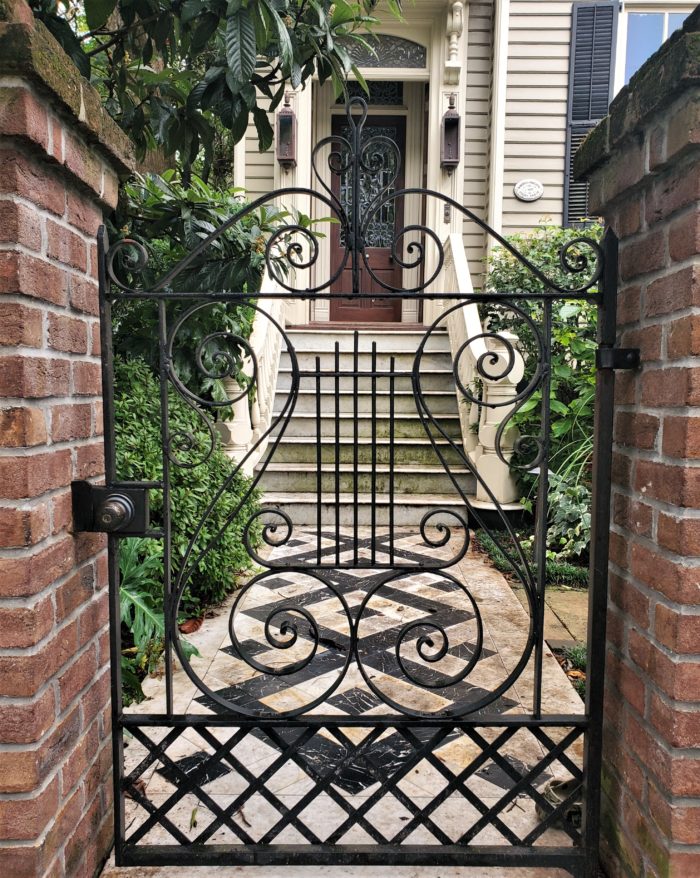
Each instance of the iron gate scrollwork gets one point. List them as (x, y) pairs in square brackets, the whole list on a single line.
[(324, 699)]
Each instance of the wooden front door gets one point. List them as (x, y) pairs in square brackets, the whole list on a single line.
[(379, 235)]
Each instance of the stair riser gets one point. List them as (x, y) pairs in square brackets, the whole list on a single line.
[(445, 403), (403, 454), (441, 380), (405, 515), (403, 362), (404, 483), (386, 341), (403, 428)]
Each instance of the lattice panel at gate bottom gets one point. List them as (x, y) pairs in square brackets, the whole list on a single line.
[(353, 785)]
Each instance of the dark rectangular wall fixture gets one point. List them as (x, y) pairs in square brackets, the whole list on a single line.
[(450, 138), (286, 151)]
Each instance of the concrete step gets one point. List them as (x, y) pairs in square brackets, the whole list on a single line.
[(439, 401), (405, 426), (415, 452), (430, 379), (303, 508), (389, 340), (408, 480), (403, 360)]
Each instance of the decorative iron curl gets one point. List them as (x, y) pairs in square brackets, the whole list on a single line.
[(445, 530), (289, 631), (372, 160), (132, 255), (183, 442), (269, 531), (577, 262), (422, 644), (418, 248)]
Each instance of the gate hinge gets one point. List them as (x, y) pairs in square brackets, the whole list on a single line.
[(617, 358), (105, 509)]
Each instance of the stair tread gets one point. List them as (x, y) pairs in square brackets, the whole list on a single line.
[(430, 499), (274, 466), (349, 392), (367, 416), (363, 440)]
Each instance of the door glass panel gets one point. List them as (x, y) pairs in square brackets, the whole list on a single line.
[(380, 231), (645, 33)]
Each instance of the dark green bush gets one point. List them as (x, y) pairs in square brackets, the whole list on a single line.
[(139, 457), (557, 572)]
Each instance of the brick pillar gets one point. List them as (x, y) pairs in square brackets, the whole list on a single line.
[(643, 163), (60, 157)]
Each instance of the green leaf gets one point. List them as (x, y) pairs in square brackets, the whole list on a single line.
[(285, 44), (98, 11), (264, 129), (240, 46)]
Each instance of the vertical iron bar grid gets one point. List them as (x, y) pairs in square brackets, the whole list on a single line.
[(319, 462), (392, 385), (355, 434), (168, 610), (542, 506), (373, 501), (337, 452), (598, 574)]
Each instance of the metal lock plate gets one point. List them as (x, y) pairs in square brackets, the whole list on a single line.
[(104, 509)]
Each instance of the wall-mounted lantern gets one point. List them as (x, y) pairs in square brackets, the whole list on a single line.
[(287, 136), (450, 137)]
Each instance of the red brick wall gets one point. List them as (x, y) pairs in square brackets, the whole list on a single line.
[(55, 759), (646, 181)]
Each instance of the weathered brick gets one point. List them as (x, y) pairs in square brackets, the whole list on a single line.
[(636, 429), (75, 591), (24, 175), (678, 679), (673, 292), (680, 535), (25, 626), (645, 254), (65, 246), (628, 304), (671, 191), (29, 721), (20, 577), (61, 512), (32, 475), (21, 115), (83, 213), (683, 129), (22, 675), (682, 437), (20, 325), (22, 427), (18, 223), (628, 682), (628, 597), (89, 461), (82, 161), (648, 340), (671, 387), (683, 337), (87, 379), (68, 334), (26, 818), (677, 582), (18, 771), (27, 275), (677, 628), (23, 526), (33, 377), (73, 421), (677, 724), (77, 676), (84, 295), (684, 236)]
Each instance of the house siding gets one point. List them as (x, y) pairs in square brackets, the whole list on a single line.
[(477, 129), (260, 166), (536, 100)]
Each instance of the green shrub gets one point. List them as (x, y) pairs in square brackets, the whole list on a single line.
[(557, 572), (572, 391), (139, 457)]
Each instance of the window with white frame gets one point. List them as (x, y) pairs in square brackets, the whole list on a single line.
[(643, 27)]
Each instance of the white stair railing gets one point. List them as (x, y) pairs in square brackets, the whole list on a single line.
[(251, 420), (480, 423)]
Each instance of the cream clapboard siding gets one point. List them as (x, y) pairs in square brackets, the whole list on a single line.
[(259, 166), (536, 98), (476, 143)]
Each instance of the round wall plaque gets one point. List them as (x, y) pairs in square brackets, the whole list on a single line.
[(528, 190)]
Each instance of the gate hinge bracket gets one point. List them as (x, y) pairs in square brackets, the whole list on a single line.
[(617, 358), (104, 509)]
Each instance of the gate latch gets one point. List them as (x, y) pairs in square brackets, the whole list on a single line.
[(104, 509), (617, 358)]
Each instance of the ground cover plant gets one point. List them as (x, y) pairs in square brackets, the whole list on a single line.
[(139, 457), (572, 389)]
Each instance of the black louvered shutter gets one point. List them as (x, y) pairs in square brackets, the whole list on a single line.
[(591, 67)]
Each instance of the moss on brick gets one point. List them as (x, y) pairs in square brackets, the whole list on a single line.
[(29, 50)]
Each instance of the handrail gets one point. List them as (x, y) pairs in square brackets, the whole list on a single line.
[(480, 420), (251, 420)]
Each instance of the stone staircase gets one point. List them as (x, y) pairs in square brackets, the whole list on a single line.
[(377, 466)]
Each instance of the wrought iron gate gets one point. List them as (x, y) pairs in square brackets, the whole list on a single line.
[(420, 761)]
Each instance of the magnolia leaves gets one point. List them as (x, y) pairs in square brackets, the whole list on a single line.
[(240, 48), (97, 12)]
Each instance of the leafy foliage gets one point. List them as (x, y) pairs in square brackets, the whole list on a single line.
[(557, 571), (572, 391), (170, 219), (139, 457), (172, 74)]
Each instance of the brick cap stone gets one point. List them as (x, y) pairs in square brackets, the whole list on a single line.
[(28, 49), (674, 69)]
